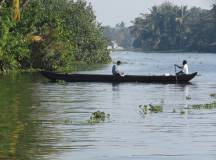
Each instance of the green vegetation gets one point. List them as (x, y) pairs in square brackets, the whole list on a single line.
[(170, 27), (205, 106), (151, 108), (213, 95), (68, 122), (182, 112), (98, 117), (50, 35), (188, 97)]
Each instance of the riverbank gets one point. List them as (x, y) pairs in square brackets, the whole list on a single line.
[(77, 67)]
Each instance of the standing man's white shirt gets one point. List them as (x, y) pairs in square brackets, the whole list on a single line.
[(185, 69)]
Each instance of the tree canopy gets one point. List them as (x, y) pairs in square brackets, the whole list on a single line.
[(49, 34), (170, 27)]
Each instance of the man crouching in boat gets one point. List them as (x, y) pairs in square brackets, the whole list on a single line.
[(115, 69), (184, 68)]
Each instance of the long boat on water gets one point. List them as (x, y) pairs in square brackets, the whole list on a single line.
[(118, 79)]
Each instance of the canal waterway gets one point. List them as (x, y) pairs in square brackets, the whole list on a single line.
[(49, 121)]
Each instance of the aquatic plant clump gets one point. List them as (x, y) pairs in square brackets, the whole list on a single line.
[(188, 98), (151, 108), (98, 117), (182, 112), (205, 106), (213, 95)]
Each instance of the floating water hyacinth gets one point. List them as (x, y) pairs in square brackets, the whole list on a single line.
[(98, 117), (196, 107), (188, 98), (182, 112), (68, 122), (151, 108), (213, 95), (205, 106)]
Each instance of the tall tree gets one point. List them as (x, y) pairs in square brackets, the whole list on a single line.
[(170, 27)]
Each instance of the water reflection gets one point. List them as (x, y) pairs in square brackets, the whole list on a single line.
[(115, 86), (20, 132)]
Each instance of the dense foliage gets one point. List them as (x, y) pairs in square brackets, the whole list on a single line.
[(51, 34), (170, 27)]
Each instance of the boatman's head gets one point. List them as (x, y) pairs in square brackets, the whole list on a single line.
[(184, 62), (118, 62)]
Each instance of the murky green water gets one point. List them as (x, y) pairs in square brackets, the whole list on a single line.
[(47, 121)]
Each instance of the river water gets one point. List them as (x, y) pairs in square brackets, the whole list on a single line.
[(48, 121)]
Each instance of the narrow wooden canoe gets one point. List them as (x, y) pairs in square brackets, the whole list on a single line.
[(117, 79)]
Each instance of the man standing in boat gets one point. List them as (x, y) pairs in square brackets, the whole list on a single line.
[(184, 68), (115, 69)]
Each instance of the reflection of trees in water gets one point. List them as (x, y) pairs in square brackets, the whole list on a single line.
[(19, 134)]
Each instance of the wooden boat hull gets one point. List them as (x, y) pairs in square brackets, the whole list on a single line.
[(117, 79)]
